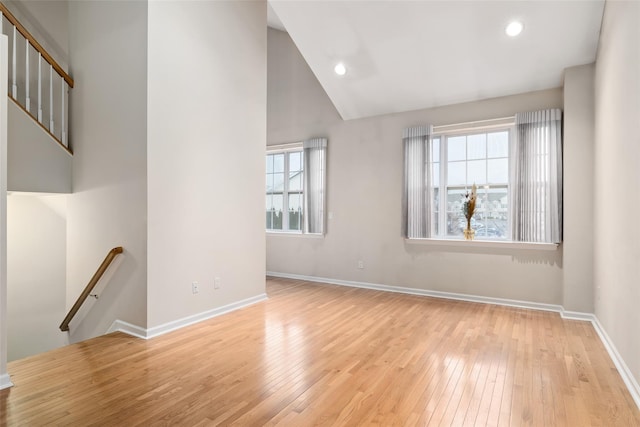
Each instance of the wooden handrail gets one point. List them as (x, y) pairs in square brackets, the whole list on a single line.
[(64, 326), (33, 42)]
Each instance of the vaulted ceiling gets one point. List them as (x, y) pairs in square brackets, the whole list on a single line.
[(407, 55)]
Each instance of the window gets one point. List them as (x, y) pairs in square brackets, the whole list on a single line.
[(516, 164), (460, 160), (285, 182)]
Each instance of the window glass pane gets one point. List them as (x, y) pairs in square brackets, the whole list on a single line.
[(269, 183), (278, 162), (498, 144), (277, 202), (435, 150), (456, 221), (477, 146), (456, 148), (295, 181), (498, 171), (274, 212), (436, 211), (295, 201), (278, 182), (295, 162), (295, 211), (269, 224), (456, 173), (476, 172), (491, 213), (435, 174), (269, 163)]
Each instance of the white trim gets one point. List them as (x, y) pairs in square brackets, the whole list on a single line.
[(281, 148), (156, 331), (5, 381), (502, 244), (503, 122), (577, 315), (427, 293), (618, 361), (128, 328), (294, 233)]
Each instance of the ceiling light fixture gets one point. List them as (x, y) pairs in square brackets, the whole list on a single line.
[(514, 28), (340, 69)]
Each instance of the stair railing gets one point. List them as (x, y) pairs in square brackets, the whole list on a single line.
[(23, 49), (64, 326)]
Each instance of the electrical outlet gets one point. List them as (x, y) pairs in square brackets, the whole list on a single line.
[(361, 265), (195, 287), (217, 282)]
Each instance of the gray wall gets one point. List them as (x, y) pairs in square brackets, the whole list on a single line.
[(37, 163), (4, 68), (364, 196), (578, 188), (617, 162), (48, 22), (36, 273), (207, 133), (108, 207)]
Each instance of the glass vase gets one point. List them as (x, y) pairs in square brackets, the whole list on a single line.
[(469, 233)]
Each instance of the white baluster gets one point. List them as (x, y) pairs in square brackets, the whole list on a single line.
[(39, 87), (14, 86), (26, 82), (1, 22), (51, 129), (63, 136)]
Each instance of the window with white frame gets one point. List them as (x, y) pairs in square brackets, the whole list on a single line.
[(284, 190), (460, 160), (516, 164)]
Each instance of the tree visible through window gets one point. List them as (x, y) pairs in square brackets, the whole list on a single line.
[(284, 191)]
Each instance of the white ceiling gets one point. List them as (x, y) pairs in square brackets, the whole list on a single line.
[(408, 55)]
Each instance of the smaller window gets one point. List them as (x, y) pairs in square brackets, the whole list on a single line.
[(285, 190)]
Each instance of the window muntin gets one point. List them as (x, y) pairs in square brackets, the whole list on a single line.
[(284, 197), (459, 161)]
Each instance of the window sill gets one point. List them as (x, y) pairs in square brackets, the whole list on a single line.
[(485, 244), (294, 234)]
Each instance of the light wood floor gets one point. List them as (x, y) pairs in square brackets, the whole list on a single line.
[(326, 355)]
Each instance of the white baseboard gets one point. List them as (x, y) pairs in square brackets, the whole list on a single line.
[(5, 381), (127, 328), (140, 332), (623, 369), (427, 293)]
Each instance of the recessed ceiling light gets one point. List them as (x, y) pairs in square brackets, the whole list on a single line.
[(514, 28), (340, 69)]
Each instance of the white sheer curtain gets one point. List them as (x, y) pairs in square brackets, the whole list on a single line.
[(416, 201), (315, 160), (536, 182)]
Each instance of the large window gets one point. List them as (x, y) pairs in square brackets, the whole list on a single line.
[(516, 164), (284, 207), (459, 161)]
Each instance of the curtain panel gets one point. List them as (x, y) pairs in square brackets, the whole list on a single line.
[(315, 160), (417, 194), (536, 181)]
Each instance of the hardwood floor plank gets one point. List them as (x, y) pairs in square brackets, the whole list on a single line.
[(316, 354)]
